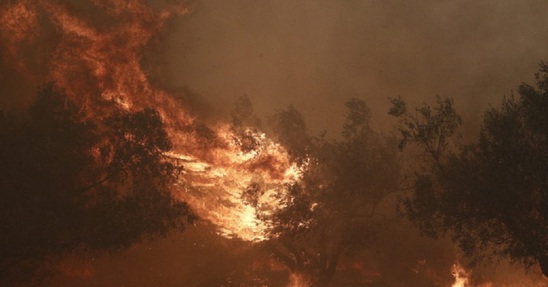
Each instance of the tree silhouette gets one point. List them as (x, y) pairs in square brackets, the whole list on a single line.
[(492, 195), (70, 181), (334, 209)]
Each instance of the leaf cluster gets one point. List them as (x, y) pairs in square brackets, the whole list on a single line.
[(334, 208), (493, 194), (69, 182)]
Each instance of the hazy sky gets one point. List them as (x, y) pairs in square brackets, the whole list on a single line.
[(315, 54)]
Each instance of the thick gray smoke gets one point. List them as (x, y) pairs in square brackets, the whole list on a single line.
[(316, 54)]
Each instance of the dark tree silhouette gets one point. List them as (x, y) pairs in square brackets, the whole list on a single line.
[(492, 195), (244, 123), (334, 209), (72, 182), (290, 129)]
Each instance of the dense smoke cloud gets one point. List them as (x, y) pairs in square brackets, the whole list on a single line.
[(317, 54)]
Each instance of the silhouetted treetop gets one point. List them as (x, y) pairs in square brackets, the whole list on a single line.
[(69, 182), (493, 193), (333, 209)]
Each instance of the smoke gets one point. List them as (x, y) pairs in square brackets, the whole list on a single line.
[(312, 54), (195, 257), (317, 54)]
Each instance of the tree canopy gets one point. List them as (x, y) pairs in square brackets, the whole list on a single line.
[(70, 182), (333, 209), (492, 195)]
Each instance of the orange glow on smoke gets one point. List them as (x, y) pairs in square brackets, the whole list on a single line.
[(94, 60), (19, 23), (297, 280), (79, 269)]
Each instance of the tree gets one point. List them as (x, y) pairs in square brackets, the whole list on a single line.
[(334, 209), (242, 113), (244, 124), (70, 182), (491, 195), (290, 129)]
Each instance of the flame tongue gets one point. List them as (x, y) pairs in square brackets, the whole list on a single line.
[(94, 61), (218, 186), (460, 274)]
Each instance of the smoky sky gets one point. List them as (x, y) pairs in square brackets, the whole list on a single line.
[(316, 54)]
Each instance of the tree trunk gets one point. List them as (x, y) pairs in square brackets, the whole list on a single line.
[(327, 271), (543, 262), (322, 281)]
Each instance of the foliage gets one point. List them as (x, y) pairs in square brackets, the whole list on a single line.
[(244, 123), (428, 127), (334, 209), (242, 113), (290, 129), (72, 182), (493, 194)]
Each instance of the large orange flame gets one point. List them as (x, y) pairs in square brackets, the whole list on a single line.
[(217, 186), (100, 58)]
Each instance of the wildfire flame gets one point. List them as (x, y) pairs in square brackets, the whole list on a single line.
[(101, 58), (460, 274), (218, 186)]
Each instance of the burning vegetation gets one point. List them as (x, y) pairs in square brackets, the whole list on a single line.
[(103, 159)]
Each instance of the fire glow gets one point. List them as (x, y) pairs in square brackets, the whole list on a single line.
[(461, 276), (217, 189), (91, 60)]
